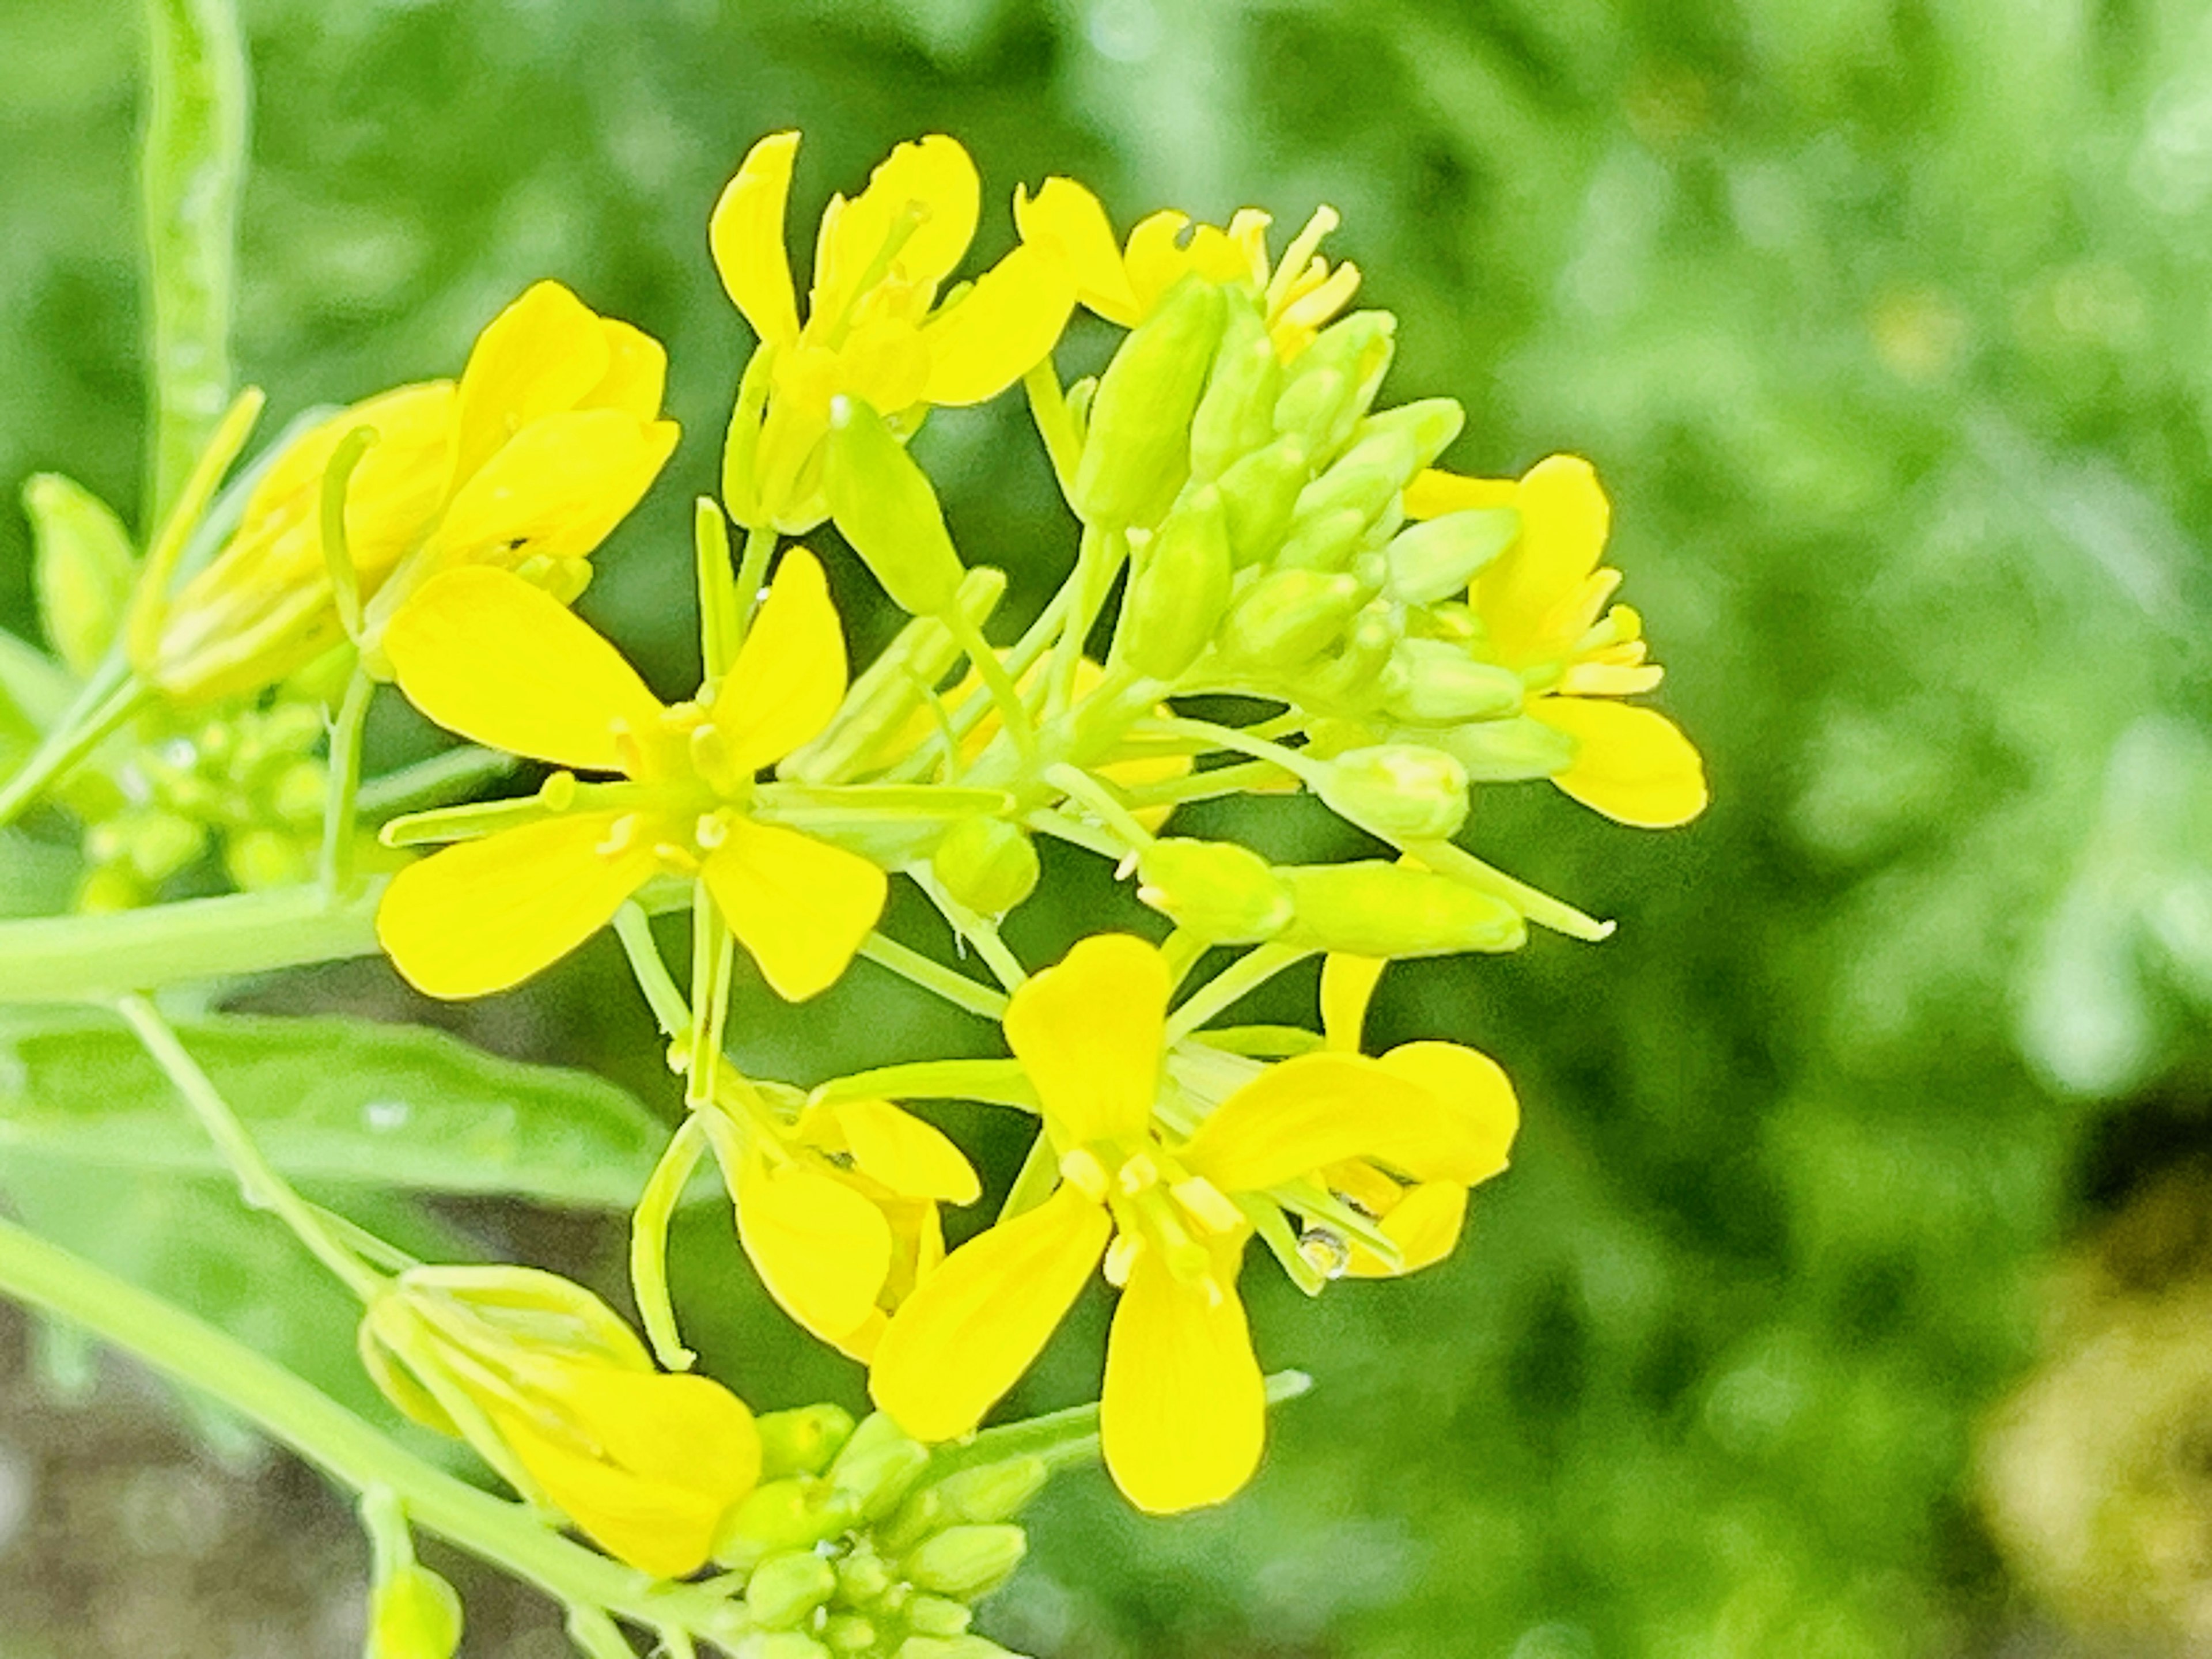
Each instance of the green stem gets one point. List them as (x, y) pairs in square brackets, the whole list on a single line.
[(935, 977), (1034, 1180), (979, 931), (1245, 975), (110, 699), (721, 622), (996, 1082), (650, 968), (1004, 693), (1448, 859), (34, 1273), (1049, 409), (1062, 1437), (431, 782), (1098, 557), (1243, 776), (338, 556), (752, 571), (340, 806), (1079, 786)]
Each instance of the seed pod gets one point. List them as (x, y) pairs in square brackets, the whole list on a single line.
[(1259, 494), (1431, 683), (1374, 908), (802, 1440), (1180, 590), (84, 569), (787, 1587), (967, 1562), (413, 1613), (1224, 893), (1138, 452), (1507, 751), (1403, 791), (1286, 616), (884, 505), (1236, 416), (988, 863), (1437, 559), (1334, 381), (877, 1466)]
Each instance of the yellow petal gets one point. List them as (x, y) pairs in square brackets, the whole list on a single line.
[(1003, 328), (486, 914), (1347, 985), (486, 654), (1425, 1224), (973, 1326), (822, 1250), (1565, 519), (1066, 215), (1319, 1108), (913, 1158), (931, 179), (1632, 764), (1436, 492), (789, 676), (1184, 1413), (637, 376), (746, 236), (1089, 1033), (885, 364), (556, 489), (1470, 1089), (1155, 258), (539, 357), (800, 905)]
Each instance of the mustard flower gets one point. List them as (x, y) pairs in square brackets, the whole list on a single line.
[(876, 327), (1182, 1412), (1299, 293), (487, 655), (551, 436), (1540, 604)]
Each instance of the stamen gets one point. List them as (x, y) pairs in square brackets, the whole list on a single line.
[(558, 793), (1206, 1205), (1120, 1256), (1081, 1169), (1138, 1173), (622, 835)]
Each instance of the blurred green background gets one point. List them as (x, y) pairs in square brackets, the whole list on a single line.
[(1885, 322)]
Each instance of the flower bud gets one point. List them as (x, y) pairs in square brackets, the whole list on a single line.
[(884, 506), (1350, 674), (779, 1644), (783, 1588), (877, 1466), (1334, 381), (1236, 416), (257, 861), (1431, 422), (993, 1491), (1259, 494), (847, 1632), (862, 1577), (84, 569), (1137, 453), (413, 1613), (1431, 682), (956, 1647), (802, 1440), (793, 1513), (967, 1562), (1180, 589), (1374, 908), (938, 1615), (1224, 893), (1363, 480), (1437, 559), (1287, 616), (1507, 751), (1403, 791), (988, 863)]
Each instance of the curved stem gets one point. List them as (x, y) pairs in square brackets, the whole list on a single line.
[(340, 809), (935, 977), (1246, 974)]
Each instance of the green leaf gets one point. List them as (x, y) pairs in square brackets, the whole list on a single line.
[(333, 1100), (84, 569)]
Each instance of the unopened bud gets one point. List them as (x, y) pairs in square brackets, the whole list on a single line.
[(1431, 683), (1351, 672), (1178, 593), (802, 1440), (1322, 541), (84, 569), (1400, 790), (1224, 893), (258, 859), (779, 1644), (1137, 453), (1371, 909), (1437, 559), (1507, 751), (862, 1577), (297, 796), (884, 504), (1259, 494), (793, 1513), (988, 863), (1334, 380), (847, 1632), (413, 1613), (1431, 422), (1237, 414), (783, 1588), (1363, 479), (953, 1647), (877, 1466), (938, 1615), (157, 844), (967, 1562), (994, 1491), (1286, 616)]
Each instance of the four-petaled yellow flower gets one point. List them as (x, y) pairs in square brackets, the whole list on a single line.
[(875, 328), (1122, 284), (487, 655), (1540, 604), (1182, 1412), (551, 438)]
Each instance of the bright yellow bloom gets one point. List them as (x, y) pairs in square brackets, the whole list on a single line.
[(1539, 603), (491, 657), (1183, 1413), (551, 438), (875, 328), (558, 1395), (1123, 284)]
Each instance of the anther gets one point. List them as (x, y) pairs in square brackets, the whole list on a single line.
[(1081, 1169)]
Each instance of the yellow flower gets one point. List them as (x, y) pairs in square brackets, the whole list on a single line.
[(1182, 1416), (550, 439), (1123, 284), (839, 1215), (1539, 603), (488, 656), (558, 1395), (875, 327)]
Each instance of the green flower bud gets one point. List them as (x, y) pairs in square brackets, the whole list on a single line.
[(779, 1644), (938, 1615), (1237, 414), (1180, 589), (1431, 422), (784, 1587), (1351, 672), (1287, 616), (413, 1613), (862, 1577), (109, 888), (84, 569), (884, 505), (967, 1562), (1137, 453), (1322, 541), (1259, 494), (1363, 479), (258, 860), (793, 1513), (847, 1632), (952, 1647), (877, 1466), (298, 792), (1431, 683), (993, 1491), (1400, 790), (1334, 380), (988, 863), (1436, 560), (802, 1440), (153, 844), (1224, 893), (1507, 751), (1373, 908)]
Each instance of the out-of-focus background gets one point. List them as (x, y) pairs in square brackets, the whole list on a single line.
[(1852, 1294)]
